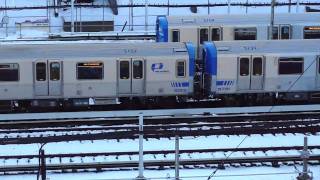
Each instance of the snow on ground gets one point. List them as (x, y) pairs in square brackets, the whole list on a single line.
[(232, 173), (210, 142)]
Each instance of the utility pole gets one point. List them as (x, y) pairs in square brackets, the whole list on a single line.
[(6, 17), (177, 159), (229, 4), (131, 15), (43, 167), (247, 6), (72, 20), (141, 164), (208, 7), (146, 16), (271, 20), (305, 156), (298, 6), (289, 8), (168, 10)]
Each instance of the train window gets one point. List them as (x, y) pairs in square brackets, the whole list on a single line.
[(175, 35), (311, 32), (181, 69), (216, 34), (257, 66), (203, 35), (54, 71), (275, 32), (244, 66), (90, 71), (124, 70), (285, 32), (137, 69), (290, 66), (245, 33), (9, 72), (41, 71), (319, 64)]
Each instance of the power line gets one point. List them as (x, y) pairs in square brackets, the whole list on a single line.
[(161, 5)]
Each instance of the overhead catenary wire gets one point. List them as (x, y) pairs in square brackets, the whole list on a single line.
[(164, 5)]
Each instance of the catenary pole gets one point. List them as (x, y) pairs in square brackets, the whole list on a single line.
[(271, 20)]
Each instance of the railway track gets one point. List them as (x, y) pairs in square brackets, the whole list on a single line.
[(204, 117), (164, 153), (164, 127), (274, 161)]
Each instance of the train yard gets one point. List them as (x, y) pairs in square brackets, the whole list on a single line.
[(159, 126)]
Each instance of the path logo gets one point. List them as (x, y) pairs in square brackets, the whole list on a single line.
[(158, 67)]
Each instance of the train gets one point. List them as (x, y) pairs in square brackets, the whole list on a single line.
[(200, 28), (77, 74)]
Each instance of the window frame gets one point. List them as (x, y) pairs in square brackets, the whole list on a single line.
[(184, 69), (235, 29), (172, 32), (249, 71), (304, 31), (50, 71), (318, 64), (46, 71), (89, 62), (129, 69), (142, 69), (280, 31), (18, 69), (199, 35), (283, 58), (220, 33), (261, 66)]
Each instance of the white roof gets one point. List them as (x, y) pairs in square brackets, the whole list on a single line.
[(243, 19), (69, 50), (269, 46)]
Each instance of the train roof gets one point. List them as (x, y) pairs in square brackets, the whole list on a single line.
[(268, 46), (244, 19), (69, 50)]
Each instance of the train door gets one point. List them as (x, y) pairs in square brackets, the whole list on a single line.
[(47, 78), (244, 73), (251, 73), (131, 76), (318, 73), (257, 73)]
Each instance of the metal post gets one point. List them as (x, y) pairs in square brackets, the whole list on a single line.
[(229, 4), (141, 165), (6, 15), (271, 20), (80, 23), (298, 6), (208, 7), (104, 4), (289, 8), (305, 156), (168, 10), (177, 176), (247, 6), (146, 16), (131, 15), (43, 165), (72, 21)]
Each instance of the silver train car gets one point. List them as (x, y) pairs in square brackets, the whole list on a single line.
[(263, 71), (82, 74), (198, 29)]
